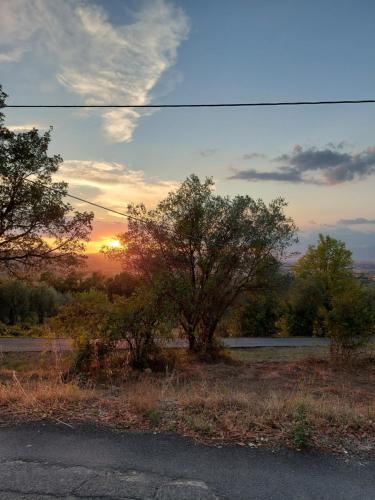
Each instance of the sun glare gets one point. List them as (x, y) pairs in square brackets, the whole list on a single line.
[(113, 243)]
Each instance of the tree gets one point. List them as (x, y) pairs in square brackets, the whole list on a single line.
[(351, 321), (324, 270), (207, 248), (14, 302), (36, 225), (44, 301), (140, 319), (302, 306), (329, 263), (121, 285), (341, 307), (262, 307)]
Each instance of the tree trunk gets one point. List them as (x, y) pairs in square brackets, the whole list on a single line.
[(192, 341)]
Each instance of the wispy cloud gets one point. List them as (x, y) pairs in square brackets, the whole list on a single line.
[(14, 55), (252, 156), (25, 126), (328, 166), (356, 222), (112, 184), (207, 152), (95, 59)]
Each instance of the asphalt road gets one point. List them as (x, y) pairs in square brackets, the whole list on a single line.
[(23, 344), (45, 461)]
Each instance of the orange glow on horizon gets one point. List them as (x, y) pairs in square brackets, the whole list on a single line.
[(95, 246)]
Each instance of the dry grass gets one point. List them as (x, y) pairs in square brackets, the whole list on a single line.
[(242, 401)]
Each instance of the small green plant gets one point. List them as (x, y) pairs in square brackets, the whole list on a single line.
[(154, 416), (301, 428)]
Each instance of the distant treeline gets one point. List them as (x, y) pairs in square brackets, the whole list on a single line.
[(288, 303), (32, 303)]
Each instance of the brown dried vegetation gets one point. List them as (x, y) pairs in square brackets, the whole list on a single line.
[(243, 401)]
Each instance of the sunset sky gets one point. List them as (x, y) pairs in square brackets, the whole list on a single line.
[(321, 159)]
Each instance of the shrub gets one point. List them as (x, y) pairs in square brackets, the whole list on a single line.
[(351, 321), (142, 321), (86, 319), (154, 416), (301, 429)]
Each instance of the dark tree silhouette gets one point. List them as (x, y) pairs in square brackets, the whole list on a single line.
[(37, 226), (207, 249)]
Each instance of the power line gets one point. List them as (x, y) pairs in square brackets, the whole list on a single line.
[(199, 105), (97, 205)]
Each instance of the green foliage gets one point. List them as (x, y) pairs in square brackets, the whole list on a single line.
[(154, 416), (207, 248), (14, 302), (326, 299), (140, 319), (320, 274), (23, 330), (263, 307), (351, 321), (302, 304), (44, 301), (122, 285), (36, 225), (75, 281), (329, 263), (260, 316), (85, 319), (301, 428), (27, 304)]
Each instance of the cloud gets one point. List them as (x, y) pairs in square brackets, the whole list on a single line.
[(255, 175), (252, 156), (207, 152), (357, 221), (14, 55), (328, 166), (25, 127), (111, 184), (97, 60)]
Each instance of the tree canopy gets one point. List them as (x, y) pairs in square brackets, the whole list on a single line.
[(328, 262), (36, 224), (207, 248)]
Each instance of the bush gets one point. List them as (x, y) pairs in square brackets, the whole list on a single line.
[(141, 320), (351, 321), (23, 330), (301, 429), (86, 320)]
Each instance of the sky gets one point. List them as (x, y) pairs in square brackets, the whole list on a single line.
[(320, 159)]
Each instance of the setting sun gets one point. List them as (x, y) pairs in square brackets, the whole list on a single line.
[(113, 243)]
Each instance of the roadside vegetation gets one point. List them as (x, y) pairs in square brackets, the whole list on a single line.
[(199, 266), (255, 403)]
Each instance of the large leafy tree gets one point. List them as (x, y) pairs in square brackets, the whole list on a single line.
[(207, 248), (340, 306), (329, 263), (351, 320), (324, 270), (37, 226)]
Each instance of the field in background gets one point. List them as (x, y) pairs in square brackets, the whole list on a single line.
[(251, 398)]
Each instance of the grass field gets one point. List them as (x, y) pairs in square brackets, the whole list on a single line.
[(252, 398)]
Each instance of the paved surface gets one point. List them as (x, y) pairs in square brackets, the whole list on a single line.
[(23, 344), (47, 461)]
